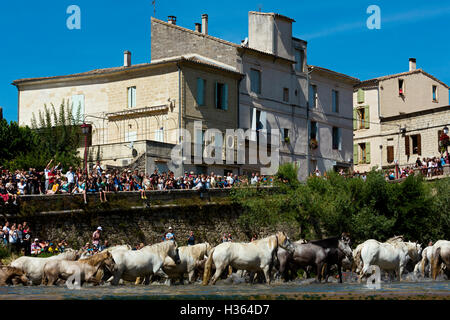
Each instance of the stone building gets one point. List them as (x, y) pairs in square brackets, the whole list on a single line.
[(398, 118), (274, 91), (135, 111)]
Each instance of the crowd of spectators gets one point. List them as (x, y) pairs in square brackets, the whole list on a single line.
[(53, 180)]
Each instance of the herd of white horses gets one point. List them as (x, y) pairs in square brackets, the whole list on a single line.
[(167, 262)]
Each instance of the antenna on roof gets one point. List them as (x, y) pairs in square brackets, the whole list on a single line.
[(154, 8), (259, 7)]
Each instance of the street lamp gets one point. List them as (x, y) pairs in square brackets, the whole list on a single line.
[(85, 132)]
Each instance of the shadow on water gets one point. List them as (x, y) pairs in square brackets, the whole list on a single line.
[(236, 288)]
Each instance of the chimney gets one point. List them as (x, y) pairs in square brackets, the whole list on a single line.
[(412, 64), (205, 23), (1, 113), (198, 27), (127, 59), (172, 20)]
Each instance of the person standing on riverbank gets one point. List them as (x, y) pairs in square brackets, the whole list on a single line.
[(191, 239), (170, 235), (96, 237)]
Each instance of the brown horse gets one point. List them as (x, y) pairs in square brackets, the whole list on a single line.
[(85, 269), (12, 276)]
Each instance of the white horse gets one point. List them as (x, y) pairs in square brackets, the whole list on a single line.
[(132, 264), (440, 253), (388, 256), (83, 270), (255, 256), (34, 266), (423, 266), (190, 257)]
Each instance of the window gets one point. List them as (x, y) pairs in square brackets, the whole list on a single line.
[(401, 87), (337, 138), (285, 94), (416, 144), (221, 95), (201, 84), (299, 59), (159, 134), (313, 130), (361, 118), (361, 153), (313, 96), (434, 90), (131, 97), (390, 154), (335, 101), (285, 136), (255, 81)]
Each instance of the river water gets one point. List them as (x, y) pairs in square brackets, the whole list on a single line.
[(235, 288)]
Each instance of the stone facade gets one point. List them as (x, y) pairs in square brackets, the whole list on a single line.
[(386, 111)]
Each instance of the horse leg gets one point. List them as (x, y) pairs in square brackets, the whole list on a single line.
[(267, 274), (319, 271), (339, 272), (219, 270), (327, 272)]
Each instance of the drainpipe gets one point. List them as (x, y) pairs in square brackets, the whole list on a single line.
[(308, 127), (179, 113)]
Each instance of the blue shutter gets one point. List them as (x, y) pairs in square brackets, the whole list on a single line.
[(225, 97), (200, 92)]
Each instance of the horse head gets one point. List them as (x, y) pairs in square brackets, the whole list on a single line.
[(344, 246), (173, 251), (284, 242), (109, 262)]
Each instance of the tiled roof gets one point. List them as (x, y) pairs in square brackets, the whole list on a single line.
[(191, 58), (338, 74), (374, 81)]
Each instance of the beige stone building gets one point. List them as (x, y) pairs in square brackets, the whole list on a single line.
[(135, 111), (274, 92), (397, 118)]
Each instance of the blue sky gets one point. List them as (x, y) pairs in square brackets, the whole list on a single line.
[(36, 42)]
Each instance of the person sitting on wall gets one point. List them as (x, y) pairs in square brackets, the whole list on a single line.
[(191, 239), (35, 247)]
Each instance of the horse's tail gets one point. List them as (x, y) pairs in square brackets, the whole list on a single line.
[(208, 266), (435, 263), (422, 264)]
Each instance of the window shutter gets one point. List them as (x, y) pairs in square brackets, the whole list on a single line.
[(129, 97), (200, 92), (355, 119), (390, 154), (366, 117), (355, 154), (133, 91), (419, 145), (340, 139), (215, 95), (407, 145), (367, 152), (225, 97), (360, 96)]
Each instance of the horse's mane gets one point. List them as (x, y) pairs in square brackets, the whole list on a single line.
[(395, 239), (333, 241), (263, 239), (96, 258), (160, 246)]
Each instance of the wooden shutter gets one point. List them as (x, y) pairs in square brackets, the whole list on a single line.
[(355, 154), (419, 145), (200, 92), (367, 152), (407, 143), (225, 97), (366, 117), (360, 96), (439, 135), (390, 154), (355, 119)]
